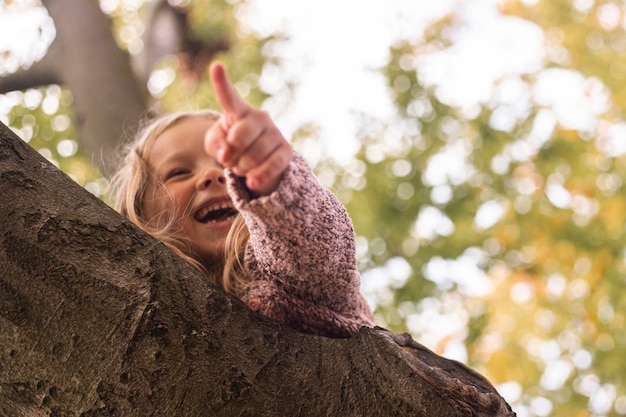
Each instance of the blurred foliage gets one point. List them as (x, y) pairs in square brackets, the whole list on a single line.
[(214, 21), (519, 240), (44, 117), (585, 35)]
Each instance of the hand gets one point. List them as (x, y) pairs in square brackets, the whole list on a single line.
[(245, 139)]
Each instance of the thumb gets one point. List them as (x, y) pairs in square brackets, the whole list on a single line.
[(234, 107)]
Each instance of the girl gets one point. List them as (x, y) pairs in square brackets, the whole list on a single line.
[(227, 193)]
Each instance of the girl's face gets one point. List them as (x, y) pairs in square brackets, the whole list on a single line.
[(188, 186)]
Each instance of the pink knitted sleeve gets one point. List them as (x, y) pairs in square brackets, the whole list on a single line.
[(302, 256)]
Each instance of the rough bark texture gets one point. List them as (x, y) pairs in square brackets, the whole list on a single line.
[(98, 319)]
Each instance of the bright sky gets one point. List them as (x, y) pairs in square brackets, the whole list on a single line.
[(337, 48), (15, 32), (335, 52)]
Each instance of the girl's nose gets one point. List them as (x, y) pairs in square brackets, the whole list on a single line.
[(211, 175)]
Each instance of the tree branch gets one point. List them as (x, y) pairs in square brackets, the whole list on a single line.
[(40, 73), (97, 318)]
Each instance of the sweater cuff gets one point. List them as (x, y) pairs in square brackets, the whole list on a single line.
[(289, 188)]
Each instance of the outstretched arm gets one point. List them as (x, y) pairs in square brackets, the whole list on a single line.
[(301, 252)]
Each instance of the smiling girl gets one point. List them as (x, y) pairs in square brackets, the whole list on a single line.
[(227, 193)]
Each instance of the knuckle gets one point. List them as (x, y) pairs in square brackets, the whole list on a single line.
[(264, 117), (235, 137), (277, 164)]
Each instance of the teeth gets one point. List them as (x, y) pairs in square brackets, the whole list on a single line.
[(204, 211)]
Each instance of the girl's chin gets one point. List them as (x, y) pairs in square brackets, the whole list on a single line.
[(211, 256), (211, 246)]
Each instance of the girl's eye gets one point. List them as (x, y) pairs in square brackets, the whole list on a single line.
[(176, 173)]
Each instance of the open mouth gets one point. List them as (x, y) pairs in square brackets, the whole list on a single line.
[(215, 213)]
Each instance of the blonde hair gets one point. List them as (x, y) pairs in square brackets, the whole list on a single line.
[(128, 188)]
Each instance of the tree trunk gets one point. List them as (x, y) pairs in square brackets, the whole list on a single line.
[(99, 319), (108, 99), (88, 60)]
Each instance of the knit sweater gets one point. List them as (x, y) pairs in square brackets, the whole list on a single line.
[(301, 255)]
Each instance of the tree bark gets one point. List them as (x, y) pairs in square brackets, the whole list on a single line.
[(99, 319)]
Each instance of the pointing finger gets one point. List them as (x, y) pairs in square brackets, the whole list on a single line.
[(234, 107), (215, 144)]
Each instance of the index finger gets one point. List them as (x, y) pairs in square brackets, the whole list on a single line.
[(226, 94)]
